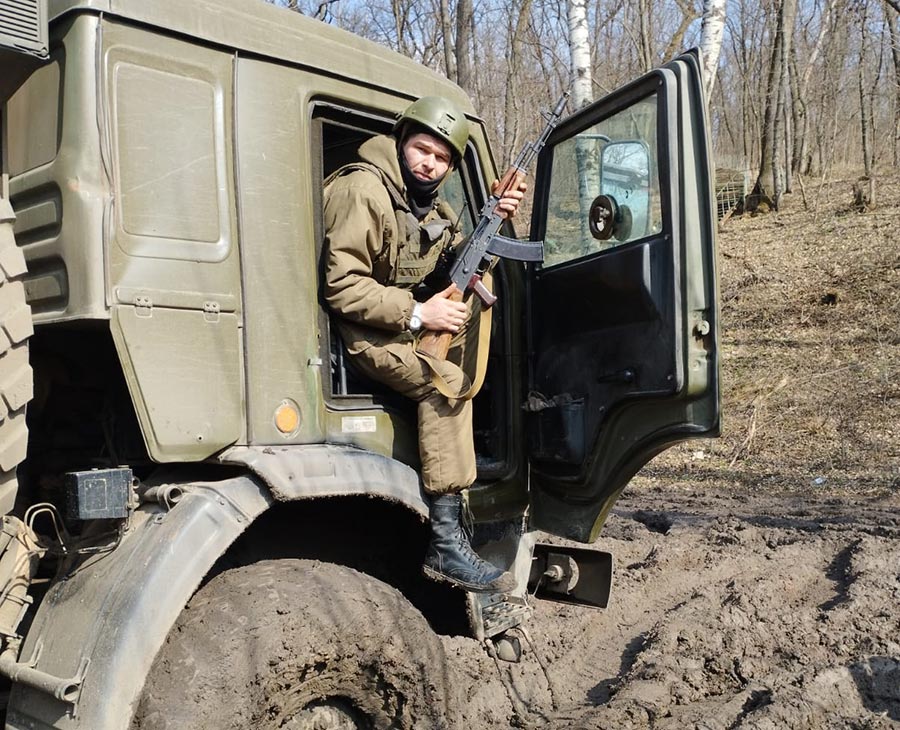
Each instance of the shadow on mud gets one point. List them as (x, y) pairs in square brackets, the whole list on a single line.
[(878, 681), (601, 693)]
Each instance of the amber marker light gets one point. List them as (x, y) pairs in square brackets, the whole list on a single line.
[(287, 418)]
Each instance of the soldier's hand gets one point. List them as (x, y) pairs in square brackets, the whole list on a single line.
[(443, 314), (509, 203)]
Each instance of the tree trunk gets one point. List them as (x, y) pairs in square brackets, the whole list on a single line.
[(789, 104), (645, 34), (769, 183), (778, 131), (800, 89), (464, 77), (400, 15), (582, 95), (865, 199), (747, 107), (711, 32), (510, 112), (763, 191), (893, 21), (580, 55), (688, 16), (447, 39)]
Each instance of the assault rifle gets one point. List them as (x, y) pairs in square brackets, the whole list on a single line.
[(475, 255)]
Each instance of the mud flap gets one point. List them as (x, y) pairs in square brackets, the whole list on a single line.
[(571, 575)]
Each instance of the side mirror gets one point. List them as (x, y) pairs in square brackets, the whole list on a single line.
[(623, 207)]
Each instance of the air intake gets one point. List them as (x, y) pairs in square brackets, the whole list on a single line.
[(22, 26), (23, 41)]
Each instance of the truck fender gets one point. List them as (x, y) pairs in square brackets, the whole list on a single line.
[(107, 615), (317, 470)]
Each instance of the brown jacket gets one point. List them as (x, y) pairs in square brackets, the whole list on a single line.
[(377, 251)]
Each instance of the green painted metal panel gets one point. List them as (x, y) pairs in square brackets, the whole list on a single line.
[(263, 29), (169, 122), (183, 370), (279, 250), (65, 172)]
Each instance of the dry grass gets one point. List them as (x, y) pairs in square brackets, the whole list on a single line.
[(810, 310)]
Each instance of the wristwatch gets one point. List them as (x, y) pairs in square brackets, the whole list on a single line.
[(415, 319)]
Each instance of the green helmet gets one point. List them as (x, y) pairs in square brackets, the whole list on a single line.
[(440, 117)]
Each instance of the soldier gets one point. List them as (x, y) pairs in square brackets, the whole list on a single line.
[(385, 228)]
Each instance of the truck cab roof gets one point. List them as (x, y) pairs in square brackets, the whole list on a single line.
[(261, 29)]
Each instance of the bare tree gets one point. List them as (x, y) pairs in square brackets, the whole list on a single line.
[(513, 92), (799, 86), (711, 32), (580, 53), (447, 40), (688, 16), (864, 198), (783, 41), (893, 23), (800, 90), (769, 185), (464, 23)]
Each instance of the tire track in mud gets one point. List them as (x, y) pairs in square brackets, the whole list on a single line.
[(727, 612)]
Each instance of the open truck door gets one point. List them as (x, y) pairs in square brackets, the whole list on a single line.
[(623, 318)]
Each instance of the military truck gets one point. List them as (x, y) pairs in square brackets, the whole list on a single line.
[(210, 519)]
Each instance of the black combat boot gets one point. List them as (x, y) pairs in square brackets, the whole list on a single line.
[(450, 557)]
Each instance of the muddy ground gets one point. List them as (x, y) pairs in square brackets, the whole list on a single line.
[(728, 611), (757, 580)]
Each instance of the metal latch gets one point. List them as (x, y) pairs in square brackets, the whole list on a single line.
[(143, 305), (211, 311)]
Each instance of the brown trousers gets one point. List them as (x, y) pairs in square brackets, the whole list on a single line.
[(446, 447)]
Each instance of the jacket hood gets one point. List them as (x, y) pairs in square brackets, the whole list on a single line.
[(381, 151)]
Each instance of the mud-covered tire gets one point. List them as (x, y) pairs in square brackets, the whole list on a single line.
[(16, 386), (298, 644)]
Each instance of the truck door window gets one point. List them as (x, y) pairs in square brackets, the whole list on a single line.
[(604, 189), (454, 192)]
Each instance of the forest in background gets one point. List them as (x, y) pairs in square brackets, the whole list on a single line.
[(805, 88)]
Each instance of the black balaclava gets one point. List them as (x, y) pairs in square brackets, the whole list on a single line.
[(419, 194)]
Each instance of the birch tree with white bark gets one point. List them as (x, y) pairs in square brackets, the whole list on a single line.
[(711, 31), (580, 55), (586, 156)]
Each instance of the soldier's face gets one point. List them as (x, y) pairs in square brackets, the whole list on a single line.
[(427, 157)]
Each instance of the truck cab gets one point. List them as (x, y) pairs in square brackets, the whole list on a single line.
[(204, 471)]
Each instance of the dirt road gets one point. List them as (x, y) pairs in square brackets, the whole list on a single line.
[(728, 611)]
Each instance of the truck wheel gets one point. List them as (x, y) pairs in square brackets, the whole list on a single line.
[(15, 372), (297, 645)]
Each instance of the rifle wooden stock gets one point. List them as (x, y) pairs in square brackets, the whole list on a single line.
[(435, 343)]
